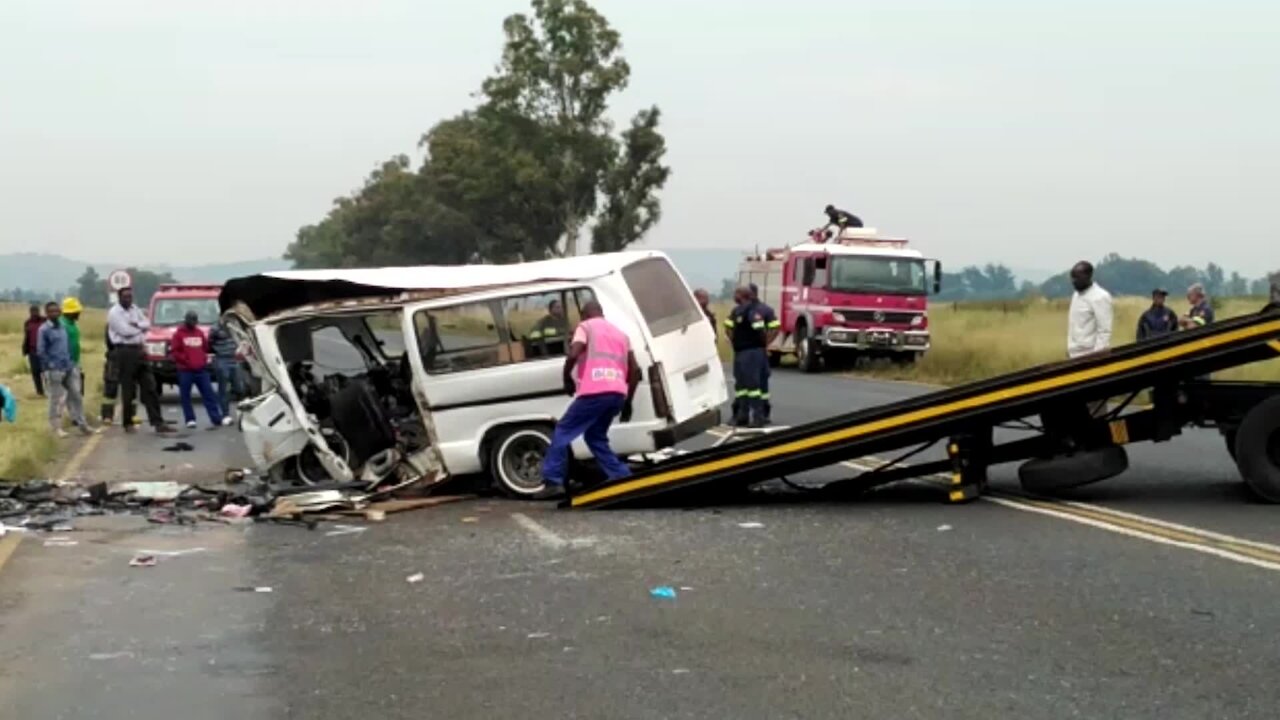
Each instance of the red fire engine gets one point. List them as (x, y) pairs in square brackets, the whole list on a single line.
[(857, 294)]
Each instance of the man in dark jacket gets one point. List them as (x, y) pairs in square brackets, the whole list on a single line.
[(841, 218), (226, 368), (1159, 319), (30, 338)]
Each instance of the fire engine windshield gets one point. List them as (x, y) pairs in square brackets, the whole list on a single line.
[(900, 276)]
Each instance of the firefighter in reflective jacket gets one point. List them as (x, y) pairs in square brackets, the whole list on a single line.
[(549, 334), (747, 330), (601, 373), (772, 325)]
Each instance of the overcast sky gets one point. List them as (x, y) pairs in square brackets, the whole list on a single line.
[(1026, 132)]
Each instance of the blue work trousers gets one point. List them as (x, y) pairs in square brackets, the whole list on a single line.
[(230, 385), (200, 379), (588, 417), (750, 378)]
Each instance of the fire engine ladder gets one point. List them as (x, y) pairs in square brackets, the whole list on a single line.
[(965, 416)]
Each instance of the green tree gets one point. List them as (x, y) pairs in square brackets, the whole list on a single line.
[(631, 186), (519, 176), (145, 284), (91, 289), (559, 69)]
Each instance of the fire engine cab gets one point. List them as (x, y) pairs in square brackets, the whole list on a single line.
[(858, 294)]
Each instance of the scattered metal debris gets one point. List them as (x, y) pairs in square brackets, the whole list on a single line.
[(143, 561)]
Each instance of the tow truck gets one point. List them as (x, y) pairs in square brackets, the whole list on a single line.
[(1080, 412), (859, 294)]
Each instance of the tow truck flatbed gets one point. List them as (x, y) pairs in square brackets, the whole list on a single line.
[(1065, 395)]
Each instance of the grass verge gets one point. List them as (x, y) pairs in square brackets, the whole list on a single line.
[(27, 448)]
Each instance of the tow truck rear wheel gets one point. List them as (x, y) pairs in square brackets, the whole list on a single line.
[(515, 459), (1258, 450), (1047, 475), (806, 359)]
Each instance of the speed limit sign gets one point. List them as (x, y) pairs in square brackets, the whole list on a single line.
[(119, 280)]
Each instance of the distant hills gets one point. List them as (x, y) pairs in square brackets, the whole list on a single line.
[(703, 268), (55, 273)]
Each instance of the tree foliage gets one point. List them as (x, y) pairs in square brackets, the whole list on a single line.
[(91, 288), (1133, 276), (519, 176)]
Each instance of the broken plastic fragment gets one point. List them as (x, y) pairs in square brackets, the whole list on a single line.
[(252, 589), (415, 578), (663, 592), (143, 561), (750, 525)]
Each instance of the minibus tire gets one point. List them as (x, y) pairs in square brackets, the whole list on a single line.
[(1258, 450), (516, 447), (1048, 475)]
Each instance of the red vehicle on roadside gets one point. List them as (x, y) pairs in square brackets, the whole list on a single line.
[(169, 306), (855, 295)]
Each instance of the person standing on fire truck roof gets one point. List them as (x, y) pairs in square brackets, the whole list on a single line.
[(841, 218), (771, 326), (746, 328)]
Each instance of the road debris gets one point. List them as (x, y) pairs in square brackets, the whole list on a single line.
[(415, 578), (122, 655), (153, 491), (232, 510), (538, 635), (340, 530), (253, 589), (944, 528), (60, 542), (143, 561), (750, 525), (179, 447), (663, 592), (45, 506)]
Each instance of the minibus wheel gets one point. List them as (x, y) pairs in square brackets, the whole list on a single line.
[(515, 459)]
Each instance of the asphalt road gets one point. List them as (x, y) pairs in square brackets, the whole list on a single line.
[(897, 606)]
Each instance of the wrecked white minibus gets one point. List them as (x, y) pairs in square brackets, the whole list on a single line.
[(408, 374)]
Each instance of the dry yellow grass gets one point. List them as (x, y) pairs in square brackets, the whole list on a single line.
[(27, 448), (975, 341), (980, 340)]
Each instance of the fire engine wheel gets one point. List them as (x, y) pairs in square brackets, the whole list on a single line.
[(806, 359), (515, 460), (1048, 475), (1258, 450)]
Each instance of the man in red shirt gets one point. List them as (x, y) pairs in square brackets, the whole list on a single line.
[(190, 351), (30, 336)]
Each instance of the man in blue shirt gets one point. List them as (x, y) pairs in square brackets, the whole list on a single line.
[(61, 378), (1159, 319)]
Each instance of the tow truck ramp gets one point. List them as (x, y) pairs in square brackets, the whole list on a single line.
[(1069, 397)]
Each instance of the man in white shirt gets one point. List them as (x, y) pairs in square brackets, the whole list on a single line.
[(127, 330), (1089, 323)]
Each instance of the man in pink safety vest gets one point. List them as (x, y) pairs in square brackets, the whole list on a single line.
[(602, 388)]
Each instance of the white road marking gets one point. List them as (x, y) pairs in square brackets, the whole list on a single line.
[(539, 531), (1195, 547), (1208, 534), (1016, 503)]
